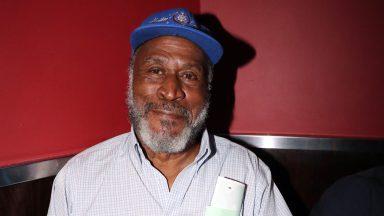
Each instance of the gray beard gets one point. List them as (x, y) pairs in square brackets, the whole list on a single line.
[(163, 141)]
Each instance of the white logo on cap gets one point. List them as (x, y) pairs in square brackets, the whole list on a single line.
[(157, 19), (181, 18)]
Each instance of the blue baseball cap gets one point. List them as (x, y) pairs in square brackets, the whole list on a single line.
[(177, 22)]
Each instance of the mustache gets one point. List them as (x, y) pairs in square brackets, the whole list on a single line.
[(167, 106)]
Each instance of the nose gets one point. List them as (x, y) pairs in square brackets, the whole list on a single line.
[(171, 89)]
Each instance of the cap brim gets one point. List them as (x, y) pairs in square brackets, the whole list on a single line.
[(208, 44)]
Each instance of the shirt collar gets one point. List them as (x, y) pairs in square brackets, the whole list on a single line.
[(135, 148), (205, 149)]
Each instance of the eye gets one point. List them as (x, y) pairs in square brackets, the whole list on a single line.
[(189, 75), (157, 71)]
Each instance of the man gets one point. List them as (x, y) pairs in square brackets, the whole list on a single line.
[(168, 164), (358, 194)]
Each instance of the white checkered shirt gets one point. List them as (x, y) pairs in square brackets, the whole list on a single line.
[(115, 178)]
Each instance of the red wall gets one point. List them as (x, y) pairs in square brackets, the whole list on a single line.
[(63, 73), (318, 70)]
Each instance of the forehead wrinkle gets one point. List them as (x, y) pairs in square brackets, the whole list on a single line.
[(155, 59), (163, 60)]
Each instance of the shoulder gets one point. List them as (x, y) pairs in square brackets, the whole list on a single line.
[(110, 146), (98, 155), (229, 147), (240, 156), (358, 185), (353, 195)]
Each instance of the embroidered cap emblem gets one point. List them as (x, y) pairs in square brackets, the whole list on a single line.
[(181, 18)]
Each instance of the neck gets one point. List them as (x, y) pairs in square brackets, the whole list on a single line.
[(171, 164)]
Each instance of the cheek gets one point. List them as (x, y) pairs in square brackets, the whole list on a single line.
[(197, 100), (142, 90)]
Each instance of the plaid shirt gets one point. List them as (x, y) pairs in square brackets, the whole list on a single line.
[(115, 178)]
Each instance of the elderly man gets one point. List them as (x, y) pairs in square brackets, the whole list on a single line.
[(168, 164)]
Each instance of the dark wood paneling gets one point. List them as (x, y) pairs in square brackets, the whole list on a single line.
[(302, 176), (26, 199)]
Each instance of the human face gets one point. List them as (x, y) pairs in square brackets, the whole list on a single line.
[(168, 93)]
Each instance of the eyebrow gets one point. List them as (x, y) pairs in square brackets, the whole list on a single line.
[(193, 65), (154, 59)]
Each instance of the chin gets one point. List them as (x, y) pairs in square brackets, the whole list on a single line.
[(165, 126)]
